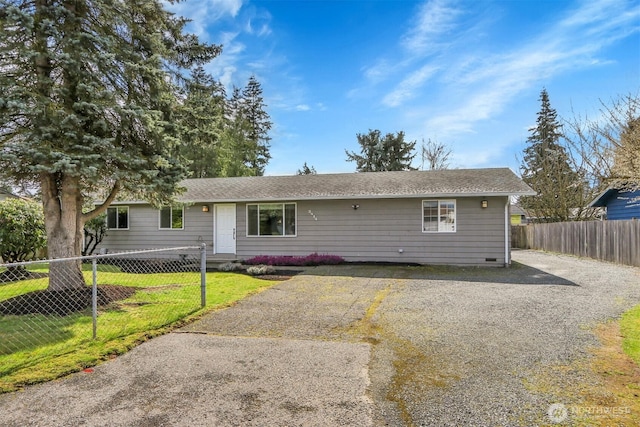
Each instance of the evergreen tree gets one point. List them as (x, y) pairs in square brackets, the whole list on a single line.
[(258, 125), (202, 121), (390, 153), (234, 153), (547, 170), (88, 91), (306, 170), (245, 143)]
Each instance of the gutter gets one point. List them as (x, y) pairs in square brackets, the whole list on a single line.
[(507, 235), (293, 197)]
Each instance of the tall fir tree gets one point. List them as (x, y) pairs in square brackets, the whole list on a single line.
[(377, 154), (246, 140), (306, 170), (258, 125), (202, 123), (234, 153), (547, 170), (89, 87)]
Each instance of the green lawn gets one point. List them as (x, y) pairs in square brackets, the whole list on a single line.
[(630, 329), (36, 347)]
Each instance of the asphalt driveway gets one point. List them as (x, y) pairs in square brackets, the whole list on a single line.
[(357, 346)]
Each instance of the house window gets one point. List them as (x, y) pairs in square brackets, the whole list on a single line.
[(118, 218), (439, 216), (271, 219), (171, 218)]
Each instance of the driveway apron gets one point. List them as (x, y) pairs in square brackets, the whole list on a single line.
[(356, 345)]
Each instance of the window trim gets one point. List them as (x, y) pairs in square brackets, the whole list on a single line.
[(439, 202), (283, 204), (160, 227), (106, 220)]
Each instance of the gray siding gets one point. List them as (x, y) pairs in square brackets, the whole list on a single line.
[(144, 230), (376, 231), (380, 228)]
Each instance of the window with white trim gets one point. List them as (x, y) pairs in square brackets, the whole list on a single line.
[(438, 216), (118, 218), (271, 219), (172, 218)]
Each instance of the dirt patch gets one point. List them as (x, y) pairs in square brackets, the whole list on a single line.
[(17, 274), (277, 276), (63, 302)]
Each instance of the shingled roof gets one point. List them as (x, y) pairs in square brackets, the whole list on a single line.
[(442, 183)]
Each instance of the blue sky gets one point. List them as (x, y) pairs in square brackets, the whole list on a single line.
[(464, 73)]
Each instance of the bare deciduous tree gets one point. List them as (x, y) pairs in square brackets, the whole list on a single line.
[(435, 155), (608, 148)]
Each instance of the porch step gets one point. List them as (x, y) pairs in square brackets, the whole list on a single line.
[(214, 261)]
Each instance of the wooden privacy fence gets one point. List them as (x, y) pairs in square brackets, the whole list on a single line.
[(614, 241)]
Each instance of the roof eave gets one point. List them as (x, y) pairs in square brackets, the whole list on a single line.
[(363, 196), (600, 201)]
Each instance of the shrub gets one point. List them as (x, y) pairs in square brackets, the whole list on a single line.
[(95, 231), (22, 231), (230, 266), (260, 270), (309, 260)]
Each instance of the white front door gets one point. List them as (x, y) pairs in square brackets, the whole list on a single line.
[(225, 229)]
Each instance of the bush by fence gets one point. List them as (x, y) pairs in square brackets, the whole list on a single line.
[(614, 241), (124, 293)]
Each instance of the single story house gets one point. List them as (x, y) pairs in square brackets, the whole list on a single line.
[(518, 215), (458, 217), (619, 203)]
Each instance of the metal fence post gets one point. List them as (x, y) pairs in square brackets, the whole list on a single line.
[(203, 274), (94, 296)]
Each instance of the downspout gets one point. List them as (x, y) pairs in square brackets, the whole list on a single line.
[(507, 237)]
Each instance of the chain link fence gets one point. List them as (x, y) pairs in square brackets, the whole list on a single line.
[(54, 306)]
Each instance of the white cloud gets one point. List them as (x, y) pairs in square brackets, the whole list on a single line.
[(489, 84), (380, 71), (259, 25), (203, 13), (435, 18), (225, 75), (302, 107), (408, 87), (236, 25)]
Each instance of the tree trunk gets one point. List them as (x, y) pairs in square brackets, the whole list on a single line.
[(62, 201)]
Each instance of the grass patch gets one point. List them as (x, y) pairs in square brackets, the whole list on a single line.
[(630, 330), (36, 347), (605, 388)]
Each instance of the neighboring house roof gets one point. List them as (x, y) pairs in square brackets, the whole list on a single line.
[(620, 204), (441, 183), (603, 198), (517, 210)]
